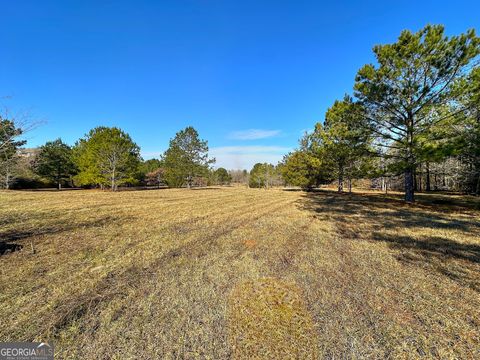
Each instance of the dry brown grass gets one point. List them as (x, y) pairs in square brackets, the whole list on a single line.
[(268, 319), (233, 272)]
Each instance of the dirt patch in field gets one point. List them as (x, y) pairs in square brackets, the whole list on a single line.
[(250, 244), (268, 319)]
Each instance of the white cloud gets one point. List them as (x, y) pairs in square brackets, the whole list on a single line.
[(237, 157), (244, 157), (253, 134)]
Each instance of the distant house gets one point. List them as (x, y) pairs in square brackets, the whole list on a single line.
[(29, 153)]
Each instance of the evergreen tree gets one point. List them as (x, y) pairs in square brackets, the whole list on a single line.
[(262, 175), (306, 167), (346, 141), (222, 176), (149, 165), (413, 75), (106, 157), (468, 89), (186, 158), (55, 162), (300, 168)]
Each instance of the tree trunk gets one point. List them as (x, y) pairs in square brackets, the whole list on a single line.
[(410, 178), (409, 185), (420, 177), (113, 185), (340, 179), (427, 170), (350, 185), (477, 192), (59, 185), (415, 182), (7, 175)]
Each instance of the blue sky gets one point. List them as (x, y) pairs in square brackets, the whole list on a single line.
[(251, 76)]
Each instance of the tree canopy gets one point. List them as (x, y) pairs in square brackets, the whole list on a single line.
[(411, 77), (345, 141), (262, 175), (186, 158), (467, 130), (222, 176), (106, 157), (55, 162)]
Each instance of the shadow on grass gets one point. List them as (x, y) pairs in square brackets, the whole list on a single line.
[(390, 212), (205, 188), (119, 189), (6, 248), (433, 246), (372, 217), (49, 190), (11, 240)]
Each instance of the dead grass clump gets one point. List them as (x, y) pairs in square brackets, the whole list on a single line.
[(268, 320)]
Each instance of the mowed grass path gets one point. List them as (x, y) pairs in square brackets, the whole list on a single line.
[(241, 273)]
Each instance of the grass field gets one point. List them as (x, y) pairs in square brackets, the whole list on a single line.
[(241, 273)]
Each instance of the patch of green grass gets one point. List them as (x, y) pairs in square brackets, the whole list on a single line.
[(268, 319)]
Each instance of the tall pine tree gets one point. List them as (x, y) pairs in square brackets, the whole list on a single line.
[(411, 77), (186, 158)]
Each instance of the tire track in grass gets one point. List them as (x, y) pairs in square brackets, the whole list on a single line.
[(212, 219), (234, 222), (128, 279)]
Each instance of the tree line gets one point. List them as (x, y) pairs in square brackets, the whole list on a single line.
[(107, 157), (413, 115), (416, 109)]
